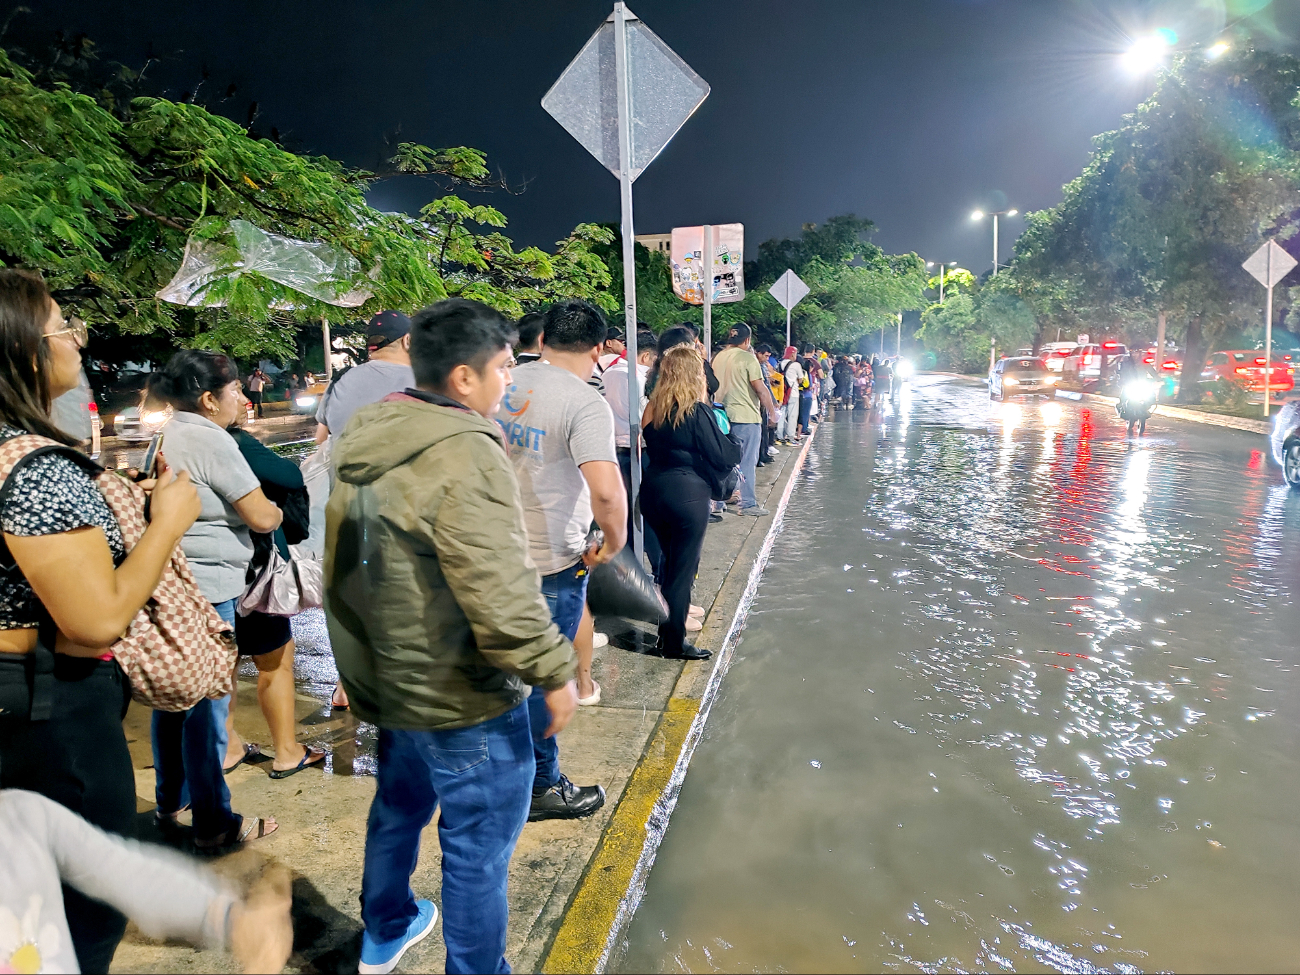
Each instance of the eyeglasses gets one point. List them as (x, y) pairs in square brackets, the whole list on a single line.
[(74, 327)]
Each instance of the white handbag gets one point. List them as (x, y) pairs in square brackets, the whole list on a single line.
[(285, 587)]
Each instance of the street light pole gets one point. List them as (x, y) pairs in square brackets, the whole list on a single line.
[(980, 215)]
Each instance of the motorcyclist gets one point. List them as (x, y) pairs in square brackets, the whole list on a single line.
[(1130, 371)]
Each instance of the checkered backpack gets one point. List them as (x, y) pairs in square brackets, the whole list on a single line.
[(177, 650)]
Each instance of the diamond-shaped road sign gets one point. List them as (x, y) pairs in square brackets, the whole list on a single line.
[(662, 89), (789, 290), (1270, 264)]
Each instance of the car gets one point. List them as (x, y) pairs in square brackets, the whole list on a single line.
[(1093, 361), (1245, 367), (1172, 364), (1023, 376), (1284, 439), (306, 401), (1055, 354)]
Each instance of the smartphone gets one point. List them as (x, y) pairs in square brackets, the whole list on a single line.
[(149, 469)]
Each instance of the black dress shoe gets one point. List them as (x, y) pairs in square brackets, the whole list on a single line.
[(564, 800), (714, 517), (689, 651)]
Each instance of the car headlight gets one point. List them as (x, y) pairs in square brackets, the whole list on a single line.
[(303, 402), (905, 369), (1049, 379), (1010, 381)]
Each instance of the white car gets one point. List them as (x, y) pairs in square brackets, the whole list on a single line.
[(1055, 354)]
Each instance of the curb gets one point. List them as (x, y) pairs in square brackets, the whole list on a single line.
[(610, 890), (1195, 416)]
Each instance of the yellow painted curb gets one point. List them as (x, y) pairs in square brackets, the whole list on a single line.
[(580, 942)]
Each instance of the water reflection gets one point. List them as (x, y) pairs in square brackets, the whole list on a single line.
[(1011, 697)]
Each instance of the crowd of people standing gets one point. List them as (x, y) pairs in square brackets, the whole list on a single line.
[(481, 471)]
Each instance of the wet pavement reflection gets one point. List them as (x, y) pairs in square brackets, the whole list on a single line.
[(1017, 693)]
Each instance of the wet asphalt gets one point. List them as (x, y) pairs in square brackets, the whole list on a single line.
[(1018, 692)]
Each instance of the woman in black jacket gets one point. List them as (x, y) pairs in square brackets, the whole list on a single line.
[(690, 458), (269, 639)]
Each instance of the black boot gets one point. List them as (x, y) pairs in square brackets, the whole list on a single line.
[(564, 800)]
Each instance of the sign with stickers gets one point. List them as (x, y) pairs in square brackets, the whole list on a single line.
[(689, 266)]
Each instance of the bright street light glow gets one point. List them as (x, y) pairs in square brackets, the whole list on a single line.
[(1148, 53), (1012, 213), (977, 215), (1218, 50)]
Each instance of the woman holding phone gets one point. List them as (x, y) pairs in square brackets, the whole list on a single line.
[(68, 591), (189, 746)]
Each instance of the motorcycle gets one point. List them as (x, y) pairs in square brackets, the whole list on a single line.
[(1137, 401)]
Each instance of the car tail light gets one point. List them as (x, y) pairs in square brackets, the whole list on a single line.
[(1259, 361), (1242, 370), (1087, 358), (1110, 345), (1171, 364)]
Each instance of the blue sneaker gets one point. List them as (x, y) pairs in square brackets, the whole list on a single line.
[(380, 959)]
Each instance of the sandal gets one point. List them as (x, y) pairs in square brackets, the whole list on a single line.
[(232, 839), (251, 752), (311, 756), (334, 699)]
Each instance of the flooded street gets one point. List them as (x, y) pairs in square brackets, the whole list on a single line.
[(1016, 693)]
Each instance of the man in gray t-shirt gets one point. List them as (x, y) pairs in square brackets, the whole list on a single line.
[(559, 433), (388, 340)]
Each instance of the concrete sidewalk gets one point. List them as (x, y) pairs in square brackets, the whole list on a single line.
[(640, 731)]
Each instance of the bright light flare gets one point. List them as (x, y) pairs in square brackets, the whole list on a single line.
[(977, 215), (1218, 50), (1148, 53), (1051, 413), (1012, 213)]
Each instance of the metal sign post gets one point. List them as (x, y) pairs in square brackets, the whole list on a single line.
[(707, 291), (625, 125), (1269, 265), (788, 290)]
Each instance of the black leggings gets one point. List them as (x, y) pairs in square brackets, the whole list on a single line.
[(78, 758), (676, 503)]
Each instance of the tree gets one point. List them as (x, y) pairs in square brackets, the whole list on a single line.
[(952, 331), (1170, 204), (104, 204)]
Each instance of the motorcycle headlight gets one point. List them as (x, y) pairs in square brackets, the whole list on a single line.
[(905, 369)]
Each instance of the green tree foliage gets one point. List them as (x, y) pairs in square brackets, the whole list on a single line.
[(956, 336), (1168, 207), (103, 203)]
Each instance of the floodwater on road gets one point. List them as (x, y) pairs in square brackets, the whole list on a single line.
[(1017, 693)]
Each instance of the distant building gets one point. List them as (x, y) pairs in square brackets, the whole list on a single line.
[(662, 243)]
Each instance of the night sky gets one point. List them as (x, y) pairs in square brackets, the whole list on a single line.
[(909, 112)]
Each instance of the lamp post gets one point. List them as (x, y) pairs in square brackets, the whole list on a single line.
[(980, 215), (943, 268)]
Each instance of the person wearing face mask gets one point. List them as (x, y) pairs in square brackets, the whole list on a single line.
[(190, 746), (68, 590)]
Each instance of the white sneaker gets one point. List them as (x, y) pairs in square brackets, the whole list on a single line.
[(599, 640), (587, 702), (773, 451)]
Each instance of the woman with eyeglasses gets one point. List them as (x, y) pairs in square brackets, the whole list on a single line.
[(68, 591), (189, 747)]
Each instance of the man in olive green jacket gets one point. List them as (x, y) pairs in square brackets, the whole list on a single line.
[(438, 625)]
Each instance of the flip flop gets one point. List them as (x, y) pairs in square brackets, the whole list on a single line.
[(334, 704), (312, 756), (234, 838), (251, 752)]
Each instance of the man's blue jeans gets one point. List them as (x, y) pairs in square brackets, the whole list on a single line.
[(566, 594), (189, 748), (479, 776), (750, 436)]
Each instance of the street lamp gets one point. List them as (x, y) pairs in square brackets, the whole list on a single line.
[(980, 215), (942, 271)]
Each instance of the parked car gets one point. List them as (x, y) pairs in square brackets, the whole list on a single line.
[(1285, 441), (1246, 368), (1027, 376), (1055, 354), (1094, 361)]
